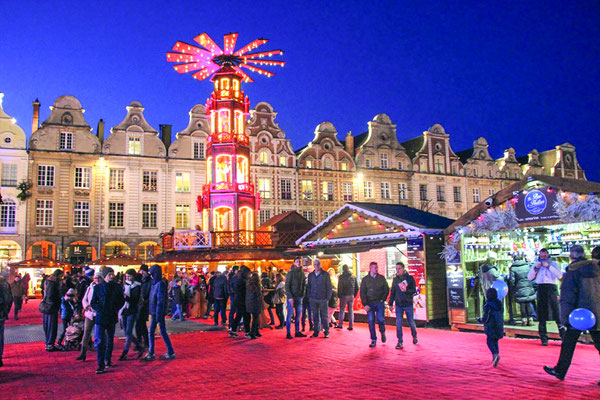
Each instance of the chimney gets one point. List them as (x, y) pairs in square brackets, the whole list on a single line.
[(350, 143), (165, 132), (36, 116), (100, 131)]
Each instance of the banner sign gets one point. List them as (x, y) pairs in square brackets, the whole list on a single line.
[(536, 205)]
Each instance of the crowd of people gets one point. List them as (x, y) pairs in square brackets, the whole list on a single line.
[(98, 301)]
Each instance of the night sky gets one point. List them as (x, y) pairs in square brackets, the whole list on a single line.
[(521, 74)]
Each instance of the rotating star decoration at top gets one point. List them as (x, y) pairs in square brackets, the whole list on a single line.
[(206, 59)]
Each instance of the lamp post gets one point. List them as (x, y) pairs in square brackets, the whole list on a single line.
[(101, 163)]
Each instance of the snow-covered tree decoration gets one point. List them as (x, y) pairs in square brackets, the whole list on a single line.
[(577, 208), (449, 253)]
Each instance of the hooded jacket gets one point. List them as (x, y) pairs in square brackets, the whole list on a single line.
[(107, 300), (487, 275), (493, 319), (581, 289), (347, 285), (521, 286), (144, 303), (158, 293)]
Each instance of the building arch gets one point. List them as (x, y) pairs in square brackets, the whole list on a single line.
[(114, 248), (80, 252), (147, 250), (42, 248), (10, 251)]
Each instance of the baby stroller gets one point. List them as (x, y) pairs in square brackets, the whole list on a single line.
[(74, 335)]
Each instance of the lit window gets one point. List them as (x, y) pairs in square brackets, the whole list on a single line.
[(81, 214), (8, 211), (239, 121), (347, 191), (384, 161), (150, 181), (116, 179), (309, 164), (116, 215), (224, 123), (283, 161), (327, 163), (307, 190), (45, 175), (263, 157), (476, 198), (385, 191), (135, 146), (66, 141), (44, 213), (182, 181), (199, 151), (264, 188), (83, 178), (182, 216), (344, 166), (327, 190), (149, 215), (368, 190), (402, 192)]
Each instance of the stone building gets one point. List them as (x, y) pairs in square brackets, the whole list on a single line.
[(93, 196), (13, 158)]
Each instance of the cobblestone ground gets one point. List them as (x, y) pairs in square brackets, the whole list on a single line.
[(443, 365)]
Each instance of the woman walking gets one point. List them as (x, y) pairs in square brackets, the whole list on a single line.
[(89, 314), (49, 307), (254, 303), (132, 290)]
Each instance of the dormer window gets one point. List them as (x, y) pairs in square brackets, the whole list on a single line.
[(282, 161), (327, 163), (135, 146), (309, 164), (263, 157), (344, 166), (384, 161), (368, 162), (66, 141)]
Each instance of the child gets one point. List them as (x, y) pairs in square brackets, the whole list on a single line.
[(177, 300), (67, 310), (493, 321)]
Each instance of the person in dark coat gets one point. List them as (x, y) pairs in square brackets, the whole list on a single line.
[(158, 311), (132, 293), (231, 282), (68, 308), (210, 295), (295, 290), (240, 303), (254, 303), (82, 285), (18, 291), (374, 291), (220, 293), (493, 323), (106, 302), (319, 290), (6, 302), (404, 289), (580, 288), (347, 291), (49, 307), (177, 294), (522, 288), (141, 327)]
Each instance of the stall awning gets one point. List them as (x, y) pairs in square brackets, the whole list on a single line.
[(217, 255), (39, 262)]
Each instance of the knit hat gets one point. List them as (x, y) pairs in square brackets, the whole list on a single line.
[(106, 271), (71, 292), (89, 272), (98, 275)]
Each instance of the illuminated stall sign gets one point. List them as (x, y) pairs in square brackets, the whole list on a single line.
[(416, 268), (536, 205)]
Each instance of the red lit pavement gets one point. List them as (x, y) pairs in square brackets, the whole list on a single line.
[(444, 364)]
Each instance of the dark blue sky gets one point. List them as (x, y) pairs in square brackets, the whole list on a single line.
[(521, 74)]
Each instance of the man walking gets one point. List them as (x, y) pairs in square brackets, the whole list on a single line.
[(403, 290), (319, 291), (141, 327), (231, 282), (580, 289), (374, 291), (295, 289), (347, 291), (107, 300), (6, 301), (545, 273), (18, 291), (158, 309), (220, 286)]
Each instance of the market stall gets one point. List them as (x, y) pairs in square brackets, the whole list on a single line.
[(120, 263), (359, 233), (515, 223), (36, 268)]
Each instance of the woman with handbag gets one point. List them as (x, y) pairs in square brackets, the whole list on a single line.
[(279, 299), (50, 306)]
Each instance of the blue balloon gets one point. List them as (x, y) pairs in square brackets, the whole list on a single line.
[(582, 319), (501, 288)]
